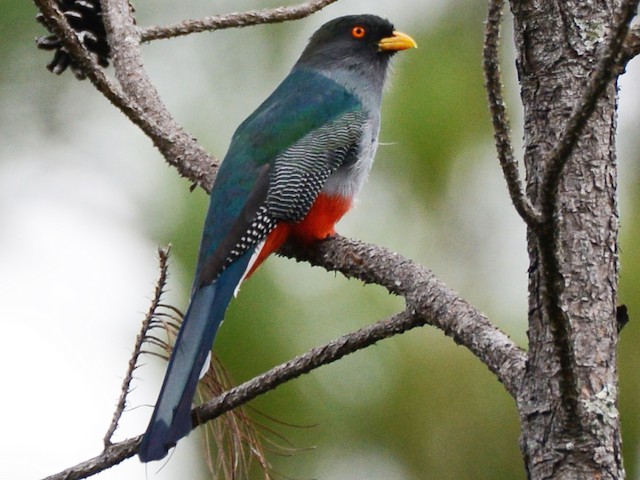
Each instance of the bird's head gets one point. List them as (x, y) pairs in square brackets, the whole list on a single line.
[(359, 44), (367, 38)]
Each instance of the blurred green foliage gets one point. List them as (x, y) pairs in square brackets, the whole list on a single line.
[(438, 108), (630, 335)]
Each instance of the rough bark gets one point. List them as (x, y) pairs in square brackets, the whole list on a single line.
[(568, 399)]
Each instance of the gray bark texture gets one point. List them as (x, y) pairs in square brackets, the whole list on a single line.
[(568, 398)]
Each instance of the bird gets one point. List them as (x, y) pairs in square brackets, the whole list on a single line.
[(292, 170)]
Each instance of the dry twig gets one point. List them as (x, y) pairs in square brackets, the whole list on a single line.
[(504, 146), (234, 20), (163, 256)]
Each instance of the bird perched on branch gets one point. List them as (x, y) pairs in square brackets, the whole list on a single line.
[(293, 169)]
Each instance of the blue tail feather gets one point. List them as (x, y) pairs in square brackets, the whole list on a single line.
[(171, 419)]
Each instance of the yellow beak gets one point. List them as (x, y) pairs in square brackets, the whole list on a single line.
[(397, 41)]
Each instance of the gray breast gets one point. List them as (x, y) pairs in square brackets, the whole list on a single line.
[(349, 178)]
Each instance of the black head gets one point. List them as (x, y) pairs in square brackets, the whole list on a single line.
[(352, 41)]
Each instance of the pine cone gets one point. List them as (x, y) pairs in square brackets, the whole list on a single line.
[(85, 18)]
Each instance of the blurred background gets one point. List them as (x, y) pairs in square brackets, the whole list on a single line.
[(85, 200)]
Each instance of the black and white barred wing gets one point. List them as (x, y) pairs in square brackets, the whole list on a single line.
[(300, 172), (286, 189)]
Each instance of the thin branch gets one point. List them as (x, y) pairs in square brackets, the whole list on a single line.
[(193, 159), (110, 457), (302, 364), (163, 257), (234, 20), (511, 370), (499, 117)]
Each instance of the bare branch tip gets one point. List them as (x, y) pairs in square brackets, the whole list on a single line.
[(143, 338), (234, 20)]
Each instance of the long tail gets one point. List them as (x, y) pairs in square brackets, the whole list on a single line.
[(171, 419)]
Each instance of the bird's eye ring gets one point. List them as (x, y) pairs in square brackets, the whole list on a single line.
[(358, 32)]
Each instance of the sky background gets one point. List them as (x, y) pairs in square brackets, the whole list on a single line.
[(85, 200)]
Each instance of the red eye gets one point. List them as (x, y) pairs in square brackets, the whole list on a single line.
[(358, 32)]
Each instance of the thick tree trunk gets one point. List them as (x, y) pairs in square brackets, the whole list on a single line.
[(568, 401)]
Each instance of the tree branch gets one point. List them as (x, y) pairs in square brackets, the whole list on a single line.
[(234, 20), (178, 147), (167, 136), (504, 147), (249, 390), (110, 457), (504, 358), (429, 302), (427, 298)]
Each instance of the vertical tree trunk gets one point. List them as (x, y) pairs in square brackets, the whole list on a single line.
[(568, 402)]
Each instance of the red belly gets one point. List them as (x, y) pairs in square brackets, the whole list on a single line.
[(317, 225), (321, 220)]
